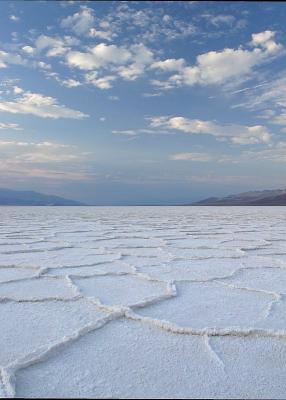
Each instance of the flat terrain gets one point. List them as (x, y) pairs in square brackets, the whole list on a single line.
[(134, 302)]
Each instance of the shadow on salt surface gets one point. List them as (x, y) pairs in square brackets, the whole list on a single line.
[(39, 324), (124, 359), (193, 269), (260, 278), (158, 364), (104, 268), (35, 246), (151, 252), (244, 244), (204, 252), (120, 290), (278, 257), (14, 273), (63, 257), (37, 289), (209, 304), (268, 251), (139, 261), (130, 243), (255, 366)]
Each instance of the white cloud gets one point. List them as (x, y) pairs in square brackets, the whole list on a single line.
[(10, 126), (266, 40), (158, 94), (17, 90), (220, 19), (141, 57), (131, 72), (70, 83), (41, 106), (196, 157), (14, 18), (81, 22), (9, 58), (98, 56), (104, 82), (43, 65), (218, 67), (171, 64), (105, 35), (150, 26), (28, 49), (118, 61), (127, 132), (237, 134), (262, 37), (55, 46)]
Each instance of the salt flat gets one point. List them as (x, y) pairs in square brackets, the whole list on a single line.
[(142, 302)]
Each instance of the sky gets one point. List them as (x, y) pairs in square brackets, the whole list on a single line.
[(118, 103)]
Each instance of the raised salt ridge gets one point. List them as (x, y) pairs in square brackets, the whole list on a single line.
[(152, 302)]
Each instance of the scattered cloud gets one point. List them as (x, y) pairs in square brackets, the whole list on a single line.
[(41, 106), (220, 19), (276, 154), (237, 134), (105, 82), (98, 56), (10, 58), (127, 132), (14, 127), (28, 49), (69, 82), (219, 67), (196, 157), (47, 160), (171, 64), (55, 46), (14, 18), (84, 23), (81, 22), (119, 61)]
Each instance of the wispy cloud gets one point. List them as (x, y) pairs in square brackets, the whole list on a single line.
[(237, 134), (40, 106), (14, 127), (49, 160)]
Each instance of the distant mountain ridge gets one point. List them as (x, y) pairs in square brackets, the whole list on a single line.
[(10, 197), (252, 198)]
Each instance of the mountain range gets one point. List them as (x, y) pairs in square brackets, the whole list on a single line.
[(252, 198), (277, 197), (10, 197)]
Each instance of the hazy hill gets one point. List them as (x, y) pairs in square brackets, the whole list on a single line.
[(252, 198), (31, 198)]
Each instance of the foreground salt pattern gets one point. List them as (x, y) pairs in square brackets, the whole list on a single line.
[(143, 302)]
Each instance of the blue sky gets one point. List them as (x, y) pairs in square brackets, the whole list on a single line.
[(142, 102)]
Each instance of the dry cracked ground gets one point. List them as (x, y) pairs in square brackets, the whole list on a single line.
[(143, 302)]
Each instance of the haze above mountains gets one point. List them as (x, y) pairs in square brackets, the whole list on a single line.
[(277, 197)]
